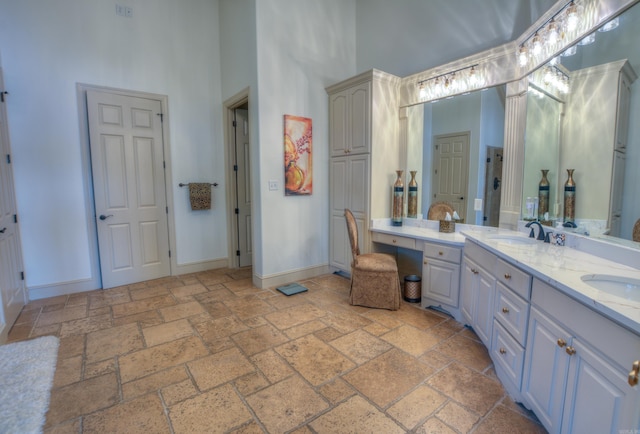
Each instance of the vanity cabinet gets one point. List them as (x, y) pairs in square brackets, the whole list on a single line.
[(363, 141), (441, 277), (477, 290), (576, 367)]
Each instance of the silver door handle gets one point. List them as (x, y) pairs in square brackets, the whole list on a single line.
[(104, 217)]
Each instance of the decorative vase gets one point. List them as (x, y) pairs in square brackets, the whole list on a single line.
[(412, 205), (398, 200), (569, 197), (543, 195)]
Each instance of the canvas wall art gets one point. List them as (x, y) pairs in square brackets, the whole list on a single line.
[(298, 153)]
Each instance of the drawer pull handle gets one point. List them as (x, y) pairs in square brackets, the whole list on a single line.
[(474, 271), (503, 351), (440, 253), (561, 342), (505, 310), (570, 350), (633, 375), (393, 241), (507, 276)]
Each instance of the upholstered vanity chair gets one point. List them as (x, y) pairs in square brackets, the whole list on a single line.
[(439, 210), (374, 276)]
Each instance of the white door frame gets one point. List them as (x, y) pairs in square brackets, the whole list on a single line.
[(85, 149), (230, 105)]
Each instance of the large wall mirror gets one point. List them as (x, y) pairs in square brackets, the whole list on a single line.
[(592, 128), (455, 146)]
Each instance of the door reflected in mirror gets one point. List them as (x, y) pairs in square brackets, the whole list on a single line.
[(455, 144)]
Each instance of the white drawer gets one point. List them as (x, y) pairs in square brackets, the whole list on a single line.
[(512, 312), (442, 252), (508, 354), (394, 240), (480, 256), (514, 278)]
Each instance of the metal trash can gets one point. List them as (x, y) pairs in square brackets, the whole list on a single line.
[(412, 288)]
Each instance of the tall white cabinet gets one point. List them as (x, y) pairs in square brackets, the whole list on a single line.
[(364, 155)]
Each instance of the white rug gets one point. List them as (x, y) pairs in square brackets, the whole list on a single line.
[(26, 377)]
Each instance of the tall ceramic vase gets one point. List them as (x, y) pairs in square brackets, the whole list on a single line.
[(398, 200), (412, 205), (569, 197), (543, 195)]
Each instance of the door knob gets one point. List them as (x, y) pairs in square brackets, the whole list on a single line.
[(633, 375), (104, 217)]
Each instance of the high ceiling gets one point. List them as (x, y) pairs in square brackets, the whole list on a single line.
[(435, 32)]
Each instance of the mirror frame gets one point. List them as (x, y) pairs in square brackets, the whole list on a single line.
[(499, 66)]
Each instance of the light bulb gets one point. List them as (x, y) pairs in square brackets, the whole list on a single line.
[(552, 33), (589, 39), (548, 75), (523, 56), (473, 77), (423, 91), (612, 24), (572, 17), (536, 45)]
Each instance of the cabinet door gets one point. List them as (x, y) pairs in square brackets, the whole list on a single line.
[(545, 369), (598, 398), (359, 126), (468, 289), (617, 184), (622, 113), (483, 321), (338, 123), (349, 177), (441, 281)]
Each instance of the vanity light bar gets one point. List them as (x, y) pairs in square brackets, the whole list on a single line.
[(451, 83), (549, 34)]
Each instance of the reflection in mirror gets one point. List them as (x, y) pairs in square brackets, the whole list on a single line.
[(597, 135), (458, 142)]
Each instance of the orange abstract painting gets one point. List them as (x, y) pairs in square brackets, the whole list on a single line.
[(297, 156)]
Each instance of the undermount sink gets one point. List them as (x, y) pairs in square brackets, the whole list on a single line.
[(511, 239), (624, 287)]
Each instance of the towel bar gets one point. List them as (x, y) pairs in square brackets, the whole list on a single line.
[(215, 184)]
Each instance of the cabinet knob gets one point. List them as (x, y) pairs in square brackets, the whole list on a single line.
[(502, 351), (440, 253), (561, 342), (570, 350), (474, 271), (505, 310), (507, 276), (633, 375), (425, 262)]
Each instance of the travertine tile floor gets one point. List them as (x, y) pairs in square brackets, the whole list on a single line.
[(209, 353)]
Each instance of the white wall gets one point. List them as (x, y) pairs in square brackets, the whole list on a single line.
[(165, 48), (303, 46)]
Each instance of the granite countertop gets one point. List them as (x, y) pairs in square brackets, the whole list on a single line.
[(562, 268)]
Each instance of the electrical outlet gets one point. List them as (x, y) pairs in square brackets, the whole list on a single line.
[(273, 185)]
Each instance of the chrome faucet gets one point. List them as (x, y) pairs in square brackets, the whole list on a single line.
[(541, 236)]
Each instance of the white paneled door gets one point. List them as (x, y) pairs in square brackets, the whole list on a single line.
[(127, 160), (12, 288), (451, 170)]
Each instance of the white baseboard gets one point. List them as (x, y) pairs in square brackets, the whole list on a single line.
[(289, 276), (196, 267), (64, 288)]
